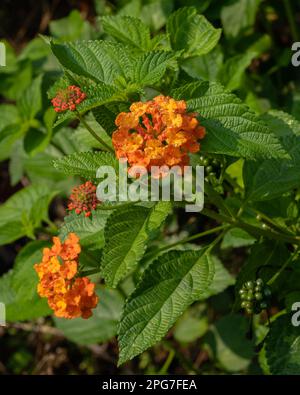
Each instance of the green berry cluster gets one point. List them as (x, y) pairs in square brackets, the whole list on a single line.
[(212, 169), (255, 296)]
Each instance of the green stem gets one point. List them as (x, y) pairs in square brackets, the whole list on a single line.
[(283, 267), (93, 133), (169, 360), (186, 240), (270, 234), (290, 16)]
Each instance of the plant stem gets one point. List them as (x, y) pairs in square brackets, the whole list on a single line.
[(186, 240), (270, 233), (93, 133), (115, 206), (290, 16), (283, 267), (169, 360)]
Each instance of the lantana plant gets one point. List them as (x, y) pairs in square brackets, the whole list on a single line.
[(139, 101)]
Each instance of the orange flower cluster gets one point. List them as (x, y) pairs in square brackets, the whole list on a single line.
[(68, 296), (83, 199), (156, 133), (67, 99)]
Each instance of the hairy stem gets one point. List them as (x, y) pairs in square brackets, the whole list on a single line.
[(93, 133)]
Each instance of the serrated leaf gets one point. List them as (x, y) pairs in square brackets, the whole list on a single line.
[(85, 164), (191, 32), (90, 230), (269, 179), (128, 30), (103, 324), (232, 128), (168, 286), (237, 237), (283, 347), (126, 234), (18, 287), (101, 61), (150, 67)]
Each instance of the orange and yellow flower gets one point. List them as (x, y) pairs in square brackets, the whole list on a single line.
[(68, 296), (158, 132)]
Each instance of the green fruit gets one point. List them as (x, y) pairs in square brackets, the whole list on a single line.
[(215, 162), (259, 282), (206, 162), (244, 304), (209, 169), (249, 284), (241, 291), (258, 289), (258, 296), (258, 217), (250, 297), (244, 296), (249, 311)]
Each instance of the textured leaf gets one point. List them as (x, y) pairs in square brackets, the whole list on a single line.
[(150, 67), (269, 179), (103, 324), (85, 164), (283, 347), (236, 237), (90, 230), (169, 285), (232, 128), (128, 30), (102, 61), (126, 234), (192, 32), (105, 115), (18, 287)]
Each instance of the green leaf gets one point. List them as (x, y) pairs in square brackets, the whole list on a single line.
[(126, 234), (30, 102), (238, 17), (101, 61), (233, 70), (85, 164), (168, 286), (84, 136), (18, 287), (232, 128), (69, 28), (99, 328), (30, 205), (128, 30), (269, 179), (236, 237), (229, 345), (90, 230), (150, 67), (283, 347), (221, 280), (191, 32)]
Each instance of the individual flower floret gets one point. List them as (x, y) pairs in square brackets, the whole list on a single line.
[(68, 296), (68, 99), (156, 133), (83, 199)]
